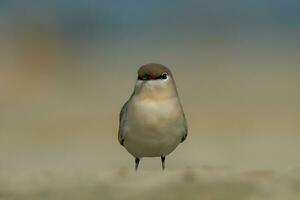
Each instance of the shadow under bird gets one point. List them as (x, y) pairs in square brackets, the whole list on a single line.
[(152, 122)]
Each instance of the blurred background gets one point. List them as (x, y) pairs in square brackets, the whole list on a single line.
[(67, 67)]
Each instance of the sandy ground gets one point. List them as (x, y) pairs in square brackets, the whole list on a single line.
[(208, 168), (203, 182)]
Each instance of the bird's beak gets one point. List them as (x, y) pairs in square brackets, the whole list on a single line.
[(146, 78), (151, 78)]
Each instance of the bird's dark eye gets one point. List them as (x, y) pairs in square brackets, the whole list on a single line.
[(164, 76)]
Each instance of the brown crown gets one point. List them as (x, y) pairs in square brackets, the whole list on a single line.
[(154, 70)]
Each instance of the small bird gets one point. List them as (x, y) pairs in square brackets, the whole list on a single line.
[(152, 122)]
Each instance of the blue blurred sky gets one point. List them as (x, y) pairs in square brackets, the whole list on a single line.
[(133, 18)]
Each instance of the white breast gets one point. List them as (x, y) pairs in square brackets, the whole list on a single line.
[(154, 128)]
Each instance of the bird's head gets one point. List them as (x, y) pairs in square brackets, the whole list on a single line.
[(155, 81)]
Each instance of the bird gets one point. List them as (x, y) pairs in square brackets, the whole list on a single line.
[(152, 122)]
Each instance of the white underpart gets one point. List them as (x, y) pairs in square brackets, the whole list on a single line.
[(155, 123)]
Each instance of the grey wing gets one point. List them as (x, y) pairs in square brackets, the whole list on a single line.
[(122, 121)]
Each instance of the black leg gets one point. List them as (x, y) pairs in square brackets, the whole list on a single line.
[(163, 162), (137, 161)]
